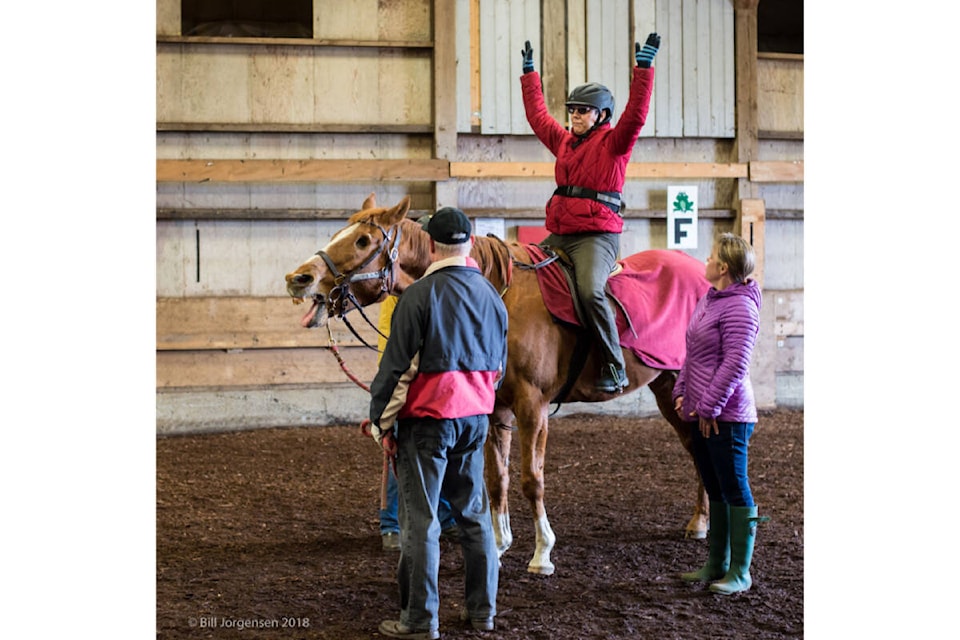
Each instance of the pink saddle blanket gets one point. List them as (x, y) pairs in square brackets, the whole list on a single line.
[(658, 288)]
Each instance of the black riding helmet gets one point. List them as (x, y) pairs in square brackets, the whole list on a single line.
[(593, 94)]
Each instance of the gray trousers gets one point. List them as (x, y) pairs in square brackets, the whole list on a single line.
[(593, 256)]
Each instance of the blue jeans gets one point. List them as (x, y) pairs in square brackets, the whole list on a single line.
[(721, 460), (388, 516), (448, 454)]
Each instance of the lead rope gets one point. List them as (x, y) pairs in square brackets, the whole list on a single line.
[(365, 425)]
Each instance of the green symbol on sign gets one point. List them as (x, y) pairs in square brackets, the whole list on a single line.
[(683, 204)]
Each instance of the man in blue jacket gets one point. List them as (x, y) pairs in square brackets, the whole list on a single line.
[(437, 381)]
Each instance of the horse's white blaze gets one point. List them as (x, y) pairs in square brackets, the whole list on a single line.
[(341, 234)]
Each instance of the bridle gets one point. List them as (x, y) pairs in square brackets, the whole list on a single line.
[(341, 293)]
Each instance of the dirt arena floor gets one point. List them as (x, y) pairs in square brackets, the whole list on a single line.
[(274, 534)]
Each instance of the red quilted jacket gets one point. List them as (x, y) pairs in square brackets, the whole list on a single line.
[(598, 163)]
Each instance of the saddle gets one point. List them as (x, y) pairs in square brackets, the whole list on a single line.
[(654, 293)]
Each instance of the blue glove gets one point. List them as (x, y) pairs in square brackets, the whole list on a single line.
[(527, 53), (648, 51)]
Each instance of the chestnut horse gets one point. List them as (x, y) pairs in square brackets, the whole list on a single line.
[(380, 251)]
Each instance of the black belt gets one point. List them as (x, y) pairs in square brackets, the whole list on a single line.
[(610, 199)]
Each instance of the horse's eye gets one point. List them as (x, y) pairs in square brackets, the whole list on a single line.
[(363, 242)]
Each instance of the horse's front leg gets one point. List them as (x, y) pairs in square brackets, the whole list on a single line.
[(532, 423), (662, 388), (497, 476)]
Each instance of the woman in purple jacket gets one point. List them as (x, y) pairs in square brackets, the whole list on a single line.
[(713, 392)]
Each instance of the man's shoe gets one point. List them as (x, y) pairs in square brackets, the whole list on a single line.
[(396, 629), (390, 541), (480, 624), (612, 379)]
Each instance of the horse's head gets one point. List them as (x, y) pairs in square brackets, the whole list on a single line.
[(358, 267)]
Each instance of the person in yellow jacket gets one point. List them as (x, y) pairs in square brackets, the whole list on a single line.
[(389, 524)]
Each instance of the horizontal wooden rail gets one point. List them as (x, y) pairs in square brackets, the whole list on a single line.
[(776, 171), (291, 127), (164, 213), (660, 170), (300, 170), (229, 323), (261, 368), (297, 42)]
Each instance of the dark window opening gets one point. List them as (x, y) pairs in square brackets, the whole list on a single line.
[(780, 26), (247, 18)]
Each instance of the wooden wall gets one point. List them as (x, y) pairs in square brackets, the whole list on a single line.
[(264, 147)]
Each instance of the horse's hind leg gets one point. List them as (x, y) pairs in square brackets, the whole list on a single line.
[(662, 388), (497, 475)]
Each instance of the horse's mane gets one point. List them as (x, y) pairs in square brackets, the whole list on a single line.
[(496, 263)]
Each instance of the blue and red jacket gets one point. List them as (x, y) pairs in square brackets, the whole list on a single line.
[(598, 162), (714, 379), (447, 349)]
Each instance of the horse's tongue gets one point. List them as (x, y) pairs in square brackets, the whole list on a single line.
[(307, 320)]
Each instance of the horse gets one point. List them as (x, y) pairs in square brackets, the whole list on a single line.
[(381, 252)]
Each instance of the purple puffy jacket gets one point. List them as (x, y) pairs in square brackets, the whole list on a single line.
[(715, 378)]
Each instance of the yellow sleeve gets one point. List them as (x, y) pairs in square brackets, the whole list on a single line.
[(383, 324)]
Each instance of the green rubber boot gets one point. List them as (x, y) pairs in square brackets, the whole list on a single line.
[(718, 561), (743, 533)]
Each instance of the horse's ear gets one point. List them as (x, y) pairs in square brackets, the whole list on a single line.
[(370, 202), (398, 212)]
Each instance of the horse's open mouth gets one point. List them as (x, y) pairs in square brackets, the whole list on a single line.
[(314, 316)]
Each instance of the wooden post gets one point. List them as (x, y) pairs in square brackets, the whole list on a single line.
[(745, 37), (750, 222), (445, 95)]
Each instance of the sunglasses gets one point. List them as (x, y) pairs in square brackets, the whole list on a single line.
[(581, 110)]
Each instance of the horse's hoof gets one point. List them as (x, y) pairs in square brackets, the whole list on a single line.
[(695, 535), (541, 570)]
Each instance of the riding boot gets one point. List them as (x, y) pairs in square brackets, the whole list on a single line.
[(743, 533), (718, 560), (613, 378)]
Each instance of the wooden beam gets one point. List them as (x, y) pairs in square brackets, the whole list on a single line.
[(203, 370), (791, 171), (165, 213), (445, 95), (296, 42), (300, 170), (249, 323), (658, 170), (745, 61), (751, 225), (290, 127), (509, 214)]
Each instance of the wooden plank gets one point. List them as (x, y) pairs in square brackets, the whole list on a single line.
[(445, 80), (746, 141), (780, 96), (729, 128), (261, 367), (463, 43), (691, 126), (576, 43), (554, 58), (214, 322), (290, 127), (770, 171), (645, 22), (488, 71), (751, 222), (349, 43), (300, 170), (475, 103), (704, 79), (634, 170), (167, 213)]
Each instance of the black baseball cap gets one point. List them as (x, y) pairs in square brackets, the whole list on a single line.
[(449, 225)]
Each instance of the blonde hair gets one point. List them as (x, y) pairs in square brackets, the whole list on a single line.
[(733, 251)]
